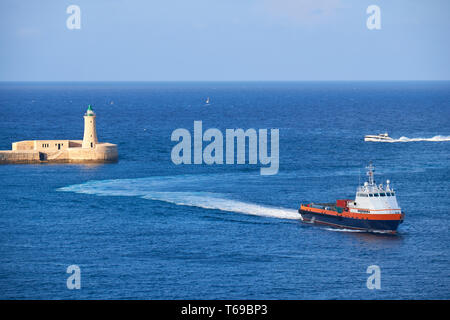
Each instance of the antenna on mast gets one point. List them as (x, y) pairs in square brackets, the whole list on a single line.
[(370, 171)]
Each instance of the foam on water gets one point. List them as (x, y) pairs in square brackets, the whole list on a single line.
[(406, 139), (344, 230), (159, 188)]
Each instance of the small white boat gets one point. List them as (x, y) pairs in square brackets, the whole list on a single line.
[(383, 137), (207, 101)]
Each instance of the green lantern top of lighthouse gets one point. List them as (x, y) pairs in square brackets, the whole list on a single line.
[(89, 111)]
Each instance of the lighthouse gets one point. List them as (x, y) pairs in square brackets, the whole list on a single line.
[(90, 132), (58, 150)]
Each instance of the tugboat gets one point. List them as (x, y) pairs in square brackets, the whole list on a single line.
[(375, 209), (382, 137)]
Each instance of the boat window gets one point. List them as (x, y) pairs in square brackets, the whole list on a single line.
[(376, 195), (392, 193), (362, 195), (383, 194), (370, 195)]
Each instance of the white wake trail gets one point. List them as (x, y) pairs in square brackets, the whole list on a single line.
[(215, 201), (155, 189), (406, 139)]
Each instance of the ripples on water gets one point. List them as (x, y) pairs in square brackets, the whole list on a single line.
[(144, 228)]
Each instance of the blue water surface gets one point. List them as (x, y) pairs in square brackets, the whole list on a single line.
[(145, 228)]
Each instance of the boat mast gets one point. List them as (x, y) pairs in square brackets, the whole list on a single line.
[(370, 170)]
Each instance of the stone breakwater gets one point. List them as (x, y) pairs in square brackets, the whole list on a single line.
[(103, 152), (19, 156)]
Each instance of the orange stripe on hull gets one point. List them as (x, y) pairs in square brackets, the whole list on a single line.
[(354, 215)]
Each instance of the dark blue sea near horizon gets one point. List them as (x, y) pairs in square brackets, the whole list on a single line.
[(145, 228)]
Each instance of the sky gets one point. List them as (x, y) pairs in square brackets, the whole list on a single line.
[(224, 40)]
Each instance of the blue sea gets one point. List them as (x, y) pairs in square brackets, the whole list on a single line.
[(145, 228)]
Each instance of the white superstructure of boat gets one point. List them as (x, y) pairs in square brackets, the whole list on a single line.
[(383, 137)]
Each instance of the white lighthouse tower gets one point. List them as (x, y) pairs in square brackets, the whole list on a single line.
[(90, 132)]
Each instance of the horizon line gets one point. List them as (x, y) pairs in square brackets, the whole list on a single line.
[(209, 81)]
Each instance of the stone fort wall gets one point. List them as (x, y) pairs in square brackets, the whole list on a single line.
[(102, 152)]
